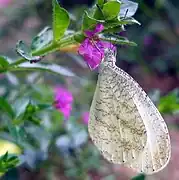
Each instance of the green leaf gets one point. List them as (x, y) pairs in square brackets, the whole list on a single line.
[(53, 68), (42, 39), (40, 89), (25, 52), (5, 156), (7, 162), (129, 21), (41, 107), (12, 159), (111, 9), (79, 37), (119, 40), (100, 2), (35, 120), (97, 12), (139, 177), (61, 21), (89, 22), (128, 8), (22, 134), (20, 106), (14, 132), (169, 104), (30, 109), (3, 62), (28, 113), (114, 29), (6, 107), (112, 24)]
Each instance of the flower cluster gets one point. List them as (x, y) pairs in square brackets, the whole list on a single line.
[(92, 48), (63, 101), (85, 117), (4, 3)]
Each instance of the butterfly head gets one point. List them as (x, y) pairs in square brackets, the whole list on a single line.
[(109, 57)]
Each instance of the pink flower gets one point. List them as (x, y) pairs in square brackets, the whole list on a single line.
[(4, 3), (148, 40), (99, 28), (63, 101), (1, 76), (92, 48), (85, 117)]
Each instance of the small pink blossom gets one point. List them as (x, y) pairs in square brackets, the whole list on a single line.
[(85, 117), (4, 3), (92, 48), (90, 34), (148, 40), (63, 101), (1, 76)]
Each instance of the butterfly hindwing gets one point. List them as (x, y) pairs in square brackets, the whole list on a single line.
[(157, 150), (115, 127)]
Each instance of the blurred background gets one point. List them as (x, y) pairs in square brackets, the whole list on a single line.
[(60, 149)]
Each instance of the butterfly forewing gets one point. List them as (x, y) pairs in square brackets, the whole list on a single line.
[(115, 125), (124, 124)]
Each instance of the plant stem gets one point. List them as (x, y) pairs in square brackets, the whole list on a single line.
[(54, 46)]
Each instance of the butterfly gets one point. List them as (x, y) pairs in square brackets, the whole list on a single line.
[(124, 124)]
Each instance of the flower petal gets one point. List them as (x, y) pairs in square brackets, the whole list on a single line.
[(63, 100), (98, 29), (91, 53), (104, 45), (85, 47), (85, 117)]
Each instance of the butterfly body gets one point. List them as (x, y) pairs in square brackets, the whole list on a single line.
[(124, 124)]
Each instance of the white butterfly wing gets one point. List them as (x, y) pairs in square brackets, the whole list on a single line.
[(116, 127), (157, 152), (125, 125)]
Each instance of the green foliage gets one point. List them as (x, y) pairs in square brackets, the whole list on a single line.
[(89, 22), (61, 21), (28, 110), (23, 50), (100, 2), (6, 107), (169, 104), (139, 177), (17, 133), (51, 68), (111, 9), (3, 63), (42, 39), (8, 162), (119, 40), (79, 37), (111, 15), (129, 21)]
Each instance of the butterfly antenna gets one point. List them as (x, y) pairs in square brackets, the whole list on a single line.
[(109, 34), (99, 8), (125, 14), (121, 18)]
